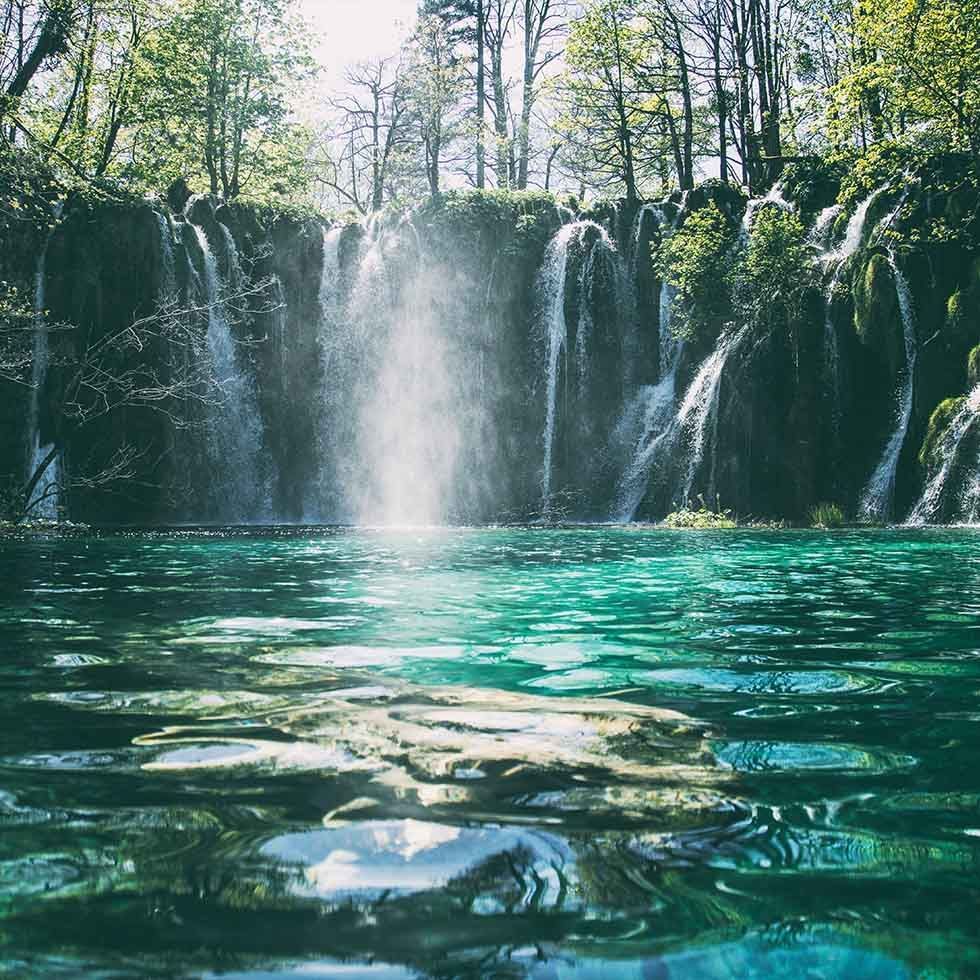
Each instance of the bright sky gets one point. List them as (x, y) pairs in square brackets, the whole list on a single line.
[(356, 30)]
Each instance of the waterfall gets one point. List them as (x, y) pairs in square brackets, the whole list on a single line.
[(412, 398), (551, 289), (692, 429), (878, 496), (168, 264), (823, 227), (698, 414), (936, 493), (834, 261), (325, 505), (234, 437), (854, 234), (45, 497), (650, 414)]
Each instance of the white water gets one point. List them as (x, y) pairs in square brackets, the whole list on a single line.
[(821, 232), (551, 292), (650, 414), (410, 413), (234, 439), (45, 498), (698, 414), (834, 260), (323, 503), (878, 497), (936, 491), (854, 234), (168, 271)]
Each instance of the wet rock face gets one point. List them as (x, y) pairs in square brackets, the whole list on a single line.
[(779, 435)]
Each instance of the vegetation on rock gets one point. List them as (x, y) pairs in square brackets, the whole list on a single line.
[(701, 519)]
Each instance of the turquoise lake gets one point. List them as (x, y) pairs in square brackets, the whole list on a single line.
[(542, 753)]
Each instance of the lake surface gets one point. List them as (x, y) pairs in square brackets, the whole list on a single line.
[(569, 753)]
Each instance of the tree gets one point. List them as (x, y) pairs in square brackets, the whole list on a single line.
[(605, 100), (544, 25), (434, 86), (916, 65), (497, 29), (372, 127), (221, 74), (34, 34), (465, 22)]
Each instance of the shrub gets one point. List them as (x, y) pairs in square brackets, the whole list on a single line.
[(699, 520), (697, 261), (776, 269), (826, 515)]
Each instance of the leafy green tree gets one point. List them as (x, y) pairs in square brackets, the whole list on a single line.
[(218, 79), (915, 74), (605, 99), (435, 81)]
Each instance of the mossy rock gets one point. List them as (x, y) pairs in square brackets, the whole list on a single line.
[(877, 318), (958, 325), (961, 203), (973, 366), (939, 421)]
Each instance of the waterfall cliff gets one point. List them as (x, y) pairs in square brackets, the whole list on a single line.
[(495, 358)]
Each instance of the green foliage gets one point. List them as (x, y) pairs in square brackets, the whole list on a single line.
[(697, 261), (915, 74), (813, 183), (514, 219), (973, 366), (699, 520), (883, 164), (776, 269), (826, 515), (938, 423)]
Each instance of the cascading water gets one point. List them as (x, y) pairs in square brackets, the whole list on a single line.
[(878, 497), (936, 496), (697, 416), (551, 287), (834, 262), (235, 487), (168, 263), (326, 501), (551, 292), (409, 400), (822, 231), (651, 413), (42, 458)]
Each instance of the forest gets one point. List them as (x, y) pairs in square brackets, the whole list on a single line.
[(610, 98)]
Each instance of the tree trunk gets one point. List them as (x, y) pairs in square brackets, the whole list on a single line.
[(481, 146), (52, 39)]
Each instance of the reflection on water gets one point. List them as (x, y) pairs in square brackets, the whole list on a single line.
[(516, 753)]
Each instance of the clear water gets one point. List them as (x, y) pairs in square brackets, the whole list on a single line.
[(538, 753)]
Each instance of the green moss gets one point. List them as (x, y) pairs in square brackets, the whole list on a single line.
[(973, 366), (876, 315), (954, 310), (938, 423)]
